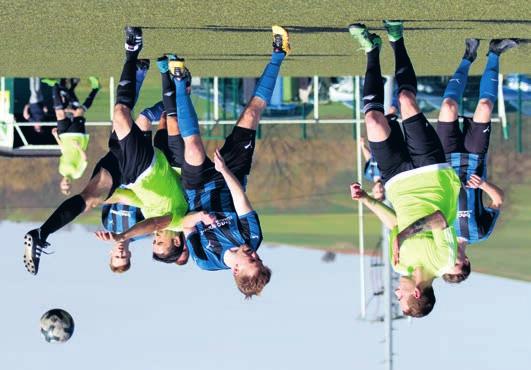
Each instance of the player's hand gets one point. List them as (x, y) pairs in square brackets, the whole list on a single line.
[(474, 182), (208, 218), (219, 162), (356, 192), (54, 131), (108, 236)]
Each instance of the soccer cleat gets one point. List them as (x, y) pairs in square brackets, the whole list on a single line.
[(280, 40), (133, 41), (395, 30), (499, 46), (368, 41), (162, 64), (94, 83), (50, 81), (471, 49), (33, 248)]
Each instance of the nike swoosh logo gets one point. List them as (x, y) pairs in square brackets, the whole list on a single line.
[(169, 93), (369, 97), (254, 237), (494, 79), (124, 82), (456, 80), (486, 130), (248, 145)]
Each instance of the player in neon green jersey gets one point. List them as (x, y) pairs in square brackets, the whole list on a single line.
[(420, 185), (70, 132)]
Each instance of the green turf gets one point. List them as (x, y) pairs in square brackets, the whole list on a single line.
[(232, 38)]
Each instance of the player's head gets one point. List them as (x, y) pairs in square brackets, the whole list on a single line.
[(415, 300), (120, 257), (462, 268), (170, 247), (65, 185), (378, 190), (250, 274)]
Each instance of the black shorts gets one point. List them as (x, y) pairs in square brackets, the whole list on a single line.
[(237, 152), (36, 112), (135, 155), (418, 146), (171, 146), (71, 125), (474, 138), (111, 161)]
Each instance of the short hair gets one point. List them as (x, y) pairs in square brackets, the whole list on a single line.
[(423, 305), (173, 255), (253, 285), (457, 278), (120, 269)]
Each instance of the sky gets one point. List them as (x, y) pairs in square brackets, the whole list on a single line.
[(158, 316)]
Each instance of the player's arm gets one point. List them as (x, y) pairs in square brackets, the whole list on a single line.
[(495, 193), (25, 112), (383, 212), (56, 136), (145, 227), (193, 218), (241, 202), (435, 221)]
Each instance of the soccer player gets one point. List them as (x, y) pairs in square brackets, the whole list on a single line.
[(466, 151), (70, 132), (35, 111), (230, 240), (372, 172), (144, 170), (420, 185)]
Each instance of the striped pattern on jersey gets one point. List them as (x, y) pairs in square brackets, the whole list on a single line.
[(371, 170), (474, 221), (118, 218)]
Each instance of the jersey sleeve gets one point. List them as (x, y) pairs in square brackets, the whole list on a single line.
[(250, 229), (446, 246), (127, 196)]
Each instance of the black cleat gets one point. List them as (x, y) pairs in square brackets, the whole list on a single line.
[(133, 42), (499, 46), (33, 248), (471, 49)]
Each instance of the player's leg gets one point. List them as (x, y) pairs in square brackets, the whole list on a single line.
[(422, 141), (385, 138), (250, 117), (448, 130), (95, 88), (126, 91), (58, 102)]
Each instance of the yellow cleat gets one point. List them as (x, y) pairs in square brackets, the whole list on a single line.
[(280, 39), (176, 68)]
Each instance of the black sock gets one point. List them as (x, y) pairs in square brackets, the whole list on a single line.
[(373, 87), (90, 98), (168, 87), (66, 213), (126, 91), (72, 98), (404, 72), (57, 100)]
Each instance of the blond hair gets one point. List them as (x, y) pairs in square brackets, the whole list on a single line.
[(253, 285)]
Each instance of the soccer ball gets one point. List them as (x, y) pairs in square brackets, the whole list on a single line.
[(57, 325)]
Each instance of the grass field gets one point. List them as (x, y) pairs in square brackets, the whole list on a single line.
[(232, 38)]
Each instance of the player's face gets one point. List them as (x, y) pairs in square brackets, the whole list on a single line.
[(120, 254), (247, 261), (406, 288), (163, 241), (378, 191)]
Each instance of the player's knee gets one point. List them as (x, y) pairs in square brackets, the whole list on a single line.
[(484, 106), (249, 116), (449, 105), (121, 112), (79, 112), (374, 119), (407, 99)]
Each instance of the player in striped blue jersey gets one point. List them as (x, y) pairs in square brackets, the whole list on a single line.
[(466, 151)]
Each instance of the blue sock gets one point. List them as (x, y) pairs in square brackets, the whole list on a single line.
[(153, 113), (456, 85), (488, 86), (188, 123), (266, 83), (140, 76)]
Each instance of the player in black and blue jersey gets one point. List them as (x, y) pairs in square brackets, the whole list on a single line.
[(466, 150)]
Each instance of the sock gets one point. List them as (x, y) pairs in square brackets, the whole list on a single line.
[(140, 76), (488, 86), (126, 91), (266, 83), (404, 72), (373, 87), (188, 123), (57, 100), (168, 94), (456, 85), (66, 213), (153, 113), (90, 98)]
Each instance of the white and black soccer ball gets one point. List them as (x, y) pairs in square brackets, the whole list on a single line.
[(57, 325)]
